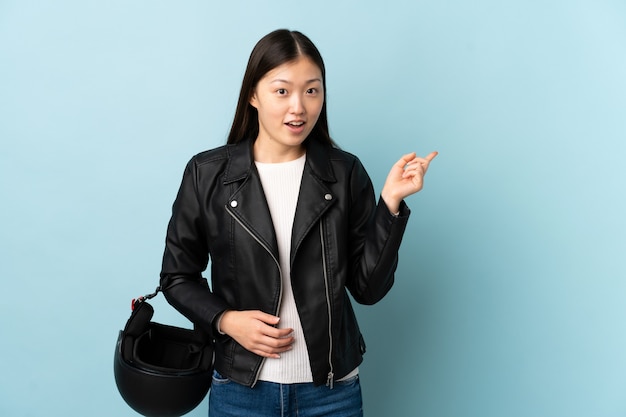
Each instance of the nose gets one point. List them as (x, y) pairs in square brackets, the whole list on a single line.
[(297, 106)]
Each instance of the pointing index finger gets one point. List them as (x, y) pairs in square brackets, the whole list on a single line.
[(431, 156)]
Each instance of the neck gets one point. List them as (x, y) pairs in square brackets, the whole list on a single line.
[(266, 153)]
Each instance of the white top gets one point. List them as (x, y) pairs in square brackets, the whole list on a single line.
[(281, 183)]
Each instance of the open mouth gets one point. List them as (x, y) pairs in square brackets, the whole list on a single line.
[(294, 124)]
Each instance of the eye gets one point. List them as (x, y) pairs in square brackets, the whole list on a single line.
[(311, 91), (281, 91)]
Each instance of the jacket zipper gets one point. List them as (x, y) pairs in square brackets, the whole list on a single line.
[(331, 375), (280, 272)]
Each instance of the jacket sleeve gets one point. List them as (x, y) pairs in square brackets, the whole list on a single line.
[(375, 237), (186, 256)]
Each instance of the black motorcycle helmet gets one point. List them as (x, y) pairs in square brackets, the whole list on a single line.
[(160, 370)]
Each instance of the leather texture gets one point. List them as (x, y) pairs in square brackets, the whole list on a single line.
[(342, 240)]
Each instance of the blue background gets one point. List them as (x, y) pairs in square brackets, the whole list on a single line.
[(510, 293)]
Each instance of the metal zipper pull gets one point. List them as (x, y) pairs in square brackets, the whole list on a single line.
[(330, 383)]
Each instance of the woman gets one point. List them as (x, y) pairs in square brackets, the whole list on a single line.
[(290, 223)]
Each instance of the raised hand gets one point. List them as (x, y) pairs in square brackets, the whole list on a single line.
[(405, 178)]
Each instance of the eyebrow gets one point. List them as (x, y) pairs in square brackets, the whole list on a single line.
[(280, 80)]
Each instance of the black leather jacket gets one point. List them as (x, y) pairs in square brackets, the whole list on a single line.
[(341, 239)]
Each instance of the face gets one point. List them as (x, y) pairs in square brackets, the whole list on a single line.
[(288, 100)]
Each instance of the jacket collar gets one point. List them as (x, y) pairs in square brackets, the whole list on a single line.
[(241, 157)]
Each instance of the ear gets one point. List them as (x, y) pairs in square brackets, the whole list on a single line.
[(254, 102)]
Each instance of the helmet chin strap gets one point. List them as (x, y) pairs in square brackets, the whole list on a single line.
[(141, 299)]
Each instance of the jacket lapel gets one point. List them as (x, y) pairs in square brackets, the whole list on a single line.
[(315, 196), (249, 206), (247, 202)]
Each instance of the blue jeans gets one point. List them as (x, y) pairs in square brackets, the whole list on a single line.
[(269, 399)]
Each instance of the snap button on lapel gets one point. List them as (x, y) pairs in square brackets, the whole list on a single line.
[(233, 203), (328, 197)]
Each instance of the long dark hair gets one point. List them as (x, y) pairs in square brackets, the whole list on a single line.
[(273, 50)]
